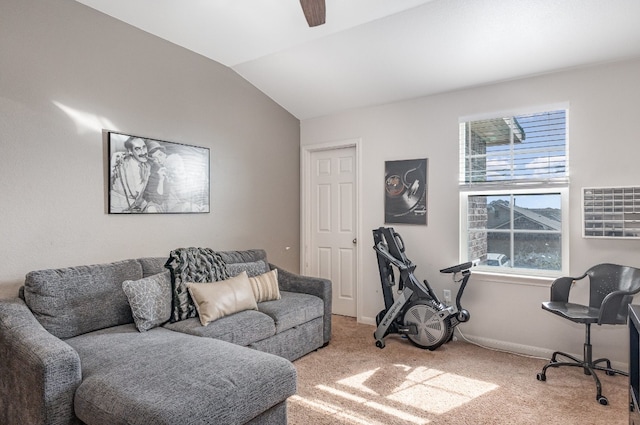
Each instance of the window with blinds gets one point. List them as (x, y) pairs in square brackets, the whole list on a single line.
[(514, 192), (523, 148)]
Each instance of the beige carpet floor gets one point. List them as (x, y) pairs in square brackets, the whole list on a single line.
[(351, 381)]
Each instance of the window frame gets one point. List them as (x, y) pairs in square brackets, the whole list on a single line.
[(564, 232), (520, 187)]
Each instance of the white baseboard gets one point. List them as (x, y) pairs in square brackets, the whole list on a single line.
[(510, 347), (521, 349), (367, 321)]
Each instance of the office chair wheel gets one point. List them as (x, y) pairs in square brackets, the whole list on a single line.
[(433, 329), (379, 344), (602, 400), (541, 377)]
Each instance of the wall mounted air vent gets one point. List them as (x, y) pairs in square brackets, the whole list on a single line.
[(611, 212)]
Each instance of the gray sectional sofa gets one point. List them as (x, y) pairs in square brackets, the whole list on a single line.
[(73, 352)]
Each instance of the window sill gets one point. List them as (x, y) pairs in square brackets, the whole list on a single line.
[(517, 279)]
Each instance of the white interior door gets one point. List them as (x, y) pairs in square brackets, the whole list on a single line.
[(333, 253)]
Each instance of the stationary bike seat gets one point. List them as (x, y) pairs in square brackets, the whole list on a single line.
[(458, 268)]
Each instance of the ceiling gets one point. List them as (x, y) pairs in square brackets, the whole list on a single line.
[(372, 52)]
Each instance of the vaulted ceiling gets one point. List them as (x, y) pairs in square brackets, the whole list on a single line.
[(373, 52)]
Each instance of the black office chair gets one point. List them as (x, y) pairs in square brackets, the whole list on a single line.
[(611, 289)]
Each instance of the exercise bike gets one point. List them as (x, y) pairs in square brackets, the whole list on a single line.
[(417, 312)]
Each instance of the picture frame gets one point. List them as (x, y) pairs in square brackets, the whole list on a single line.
[(150, 176), (405, 189)]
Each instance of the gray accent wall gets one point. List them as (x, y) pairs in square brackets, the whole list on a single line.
[(68, 72)]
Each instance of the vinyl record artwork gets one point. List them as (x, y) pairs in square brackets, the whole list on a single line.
[(405, 190)]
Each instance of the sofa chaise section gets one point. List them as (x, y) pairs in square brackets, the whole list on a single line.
[(132, 378)]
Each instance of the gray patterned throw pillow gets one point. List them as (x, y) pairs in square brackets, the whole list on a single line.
[(150, 300)]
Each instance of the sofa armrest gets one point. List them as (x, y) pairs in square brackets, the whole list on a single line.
[(39, 373), (317, 286)]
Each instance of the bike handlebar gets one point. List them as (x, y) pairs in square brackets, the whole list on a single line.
[(458, 268)]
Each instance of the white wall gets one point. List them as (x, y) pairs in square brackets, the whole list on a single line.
[(67, 72), (603, 149)]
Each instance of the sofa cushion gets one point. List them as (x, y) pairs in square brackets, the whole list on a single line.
[(265, 286), (152, 265), (253, 268), (295, 342), (253, 261), (224, 298), (292, 309), (164, 377), (150, 300), (242, 328), (192, 265), (74, 300)]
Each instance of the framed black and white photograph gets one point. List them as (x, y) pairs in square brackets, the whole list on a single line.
[(148, 176), (405, 189)]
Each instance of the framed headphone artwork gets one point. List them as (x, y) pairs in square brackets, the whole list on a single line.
[(405, 187)]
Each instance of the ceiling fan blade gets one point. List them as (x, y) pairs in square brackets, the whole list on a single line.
[(315, 11)]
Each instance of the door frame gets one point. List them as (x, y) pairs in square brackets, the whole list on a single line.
[(305, 208)]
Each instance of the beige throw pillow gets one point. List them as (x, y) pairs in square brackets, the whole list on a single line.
[(222, 298), (265, 286)]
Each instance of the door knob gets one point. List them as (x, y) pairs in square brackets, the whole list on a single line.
[(355, 241)]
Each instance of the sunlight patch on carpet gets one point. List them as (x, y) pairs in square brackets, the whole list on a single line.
[(438, 392), (429, 390), (343, 415), (374, 405), (358, 381)]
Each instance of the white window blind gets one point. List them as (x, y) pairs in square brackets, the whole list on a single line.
[(514, 150)]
